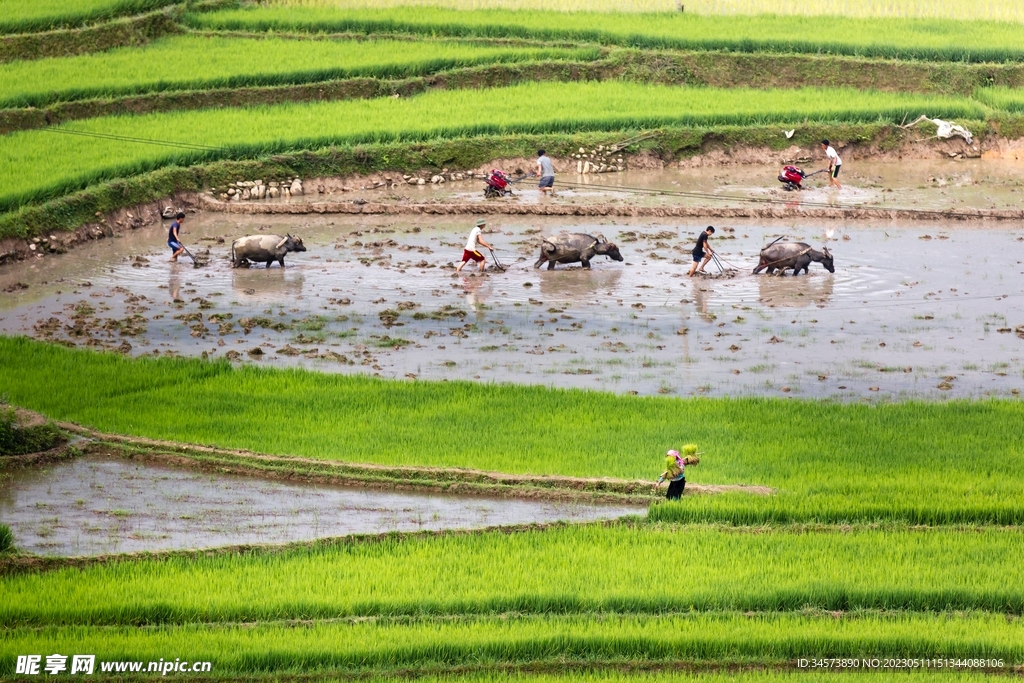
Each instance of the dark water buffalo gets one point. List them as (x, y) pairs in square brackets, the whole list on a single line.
[(263, 249), (795, 255), (575, 247)]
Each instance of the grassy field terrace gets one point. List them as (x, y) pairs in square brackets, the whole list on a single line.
[(932, 39)]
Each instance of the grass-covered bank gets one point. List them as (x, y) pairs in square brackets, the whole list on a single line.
[(38, 165), (46, 15), (95, 38), (204, 61), (697, 68), (563, 569), (368, 646), (929, 39), (948, 462)]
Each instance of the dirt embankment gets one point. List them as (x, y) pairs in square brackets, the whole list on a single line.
[(450, 480), (106, 226), (614, 210)]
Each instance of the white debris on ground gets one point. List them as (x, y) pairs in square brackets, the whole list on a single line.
[(945, 129)]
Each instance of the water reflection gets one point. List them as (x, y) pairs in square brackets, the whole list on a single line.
[(267, 285), (795, 291), (577, 284), (701, 291)]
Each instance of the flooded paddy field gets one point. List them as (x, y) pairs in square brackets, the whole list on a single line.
[(914, 309), (96, 505), (920, 184)]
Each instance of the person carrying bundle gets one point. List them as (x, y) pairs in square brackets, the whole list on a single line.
[(675, 470)]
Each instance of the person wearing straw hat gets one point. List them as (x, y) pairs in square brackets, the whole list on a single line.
[(473, 244), (675, 470)]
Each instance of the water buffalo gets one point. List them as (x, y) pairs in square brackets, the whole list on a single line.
[(263, 249), (795, 255), (575, 247)]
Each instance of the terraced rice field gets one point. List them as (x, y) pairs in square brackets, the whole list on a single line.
[(194, 62), (43, 164), (833, 462), (992, 10), (892, 38), (41, 15)]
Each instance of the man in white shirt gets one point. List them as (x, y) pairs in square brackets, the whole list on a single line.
[(473, 244), (834, 162)]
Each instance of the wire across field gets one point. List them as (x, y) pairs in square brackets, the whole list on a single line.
[(368, 645), (934, 39), (637, 568), (17, 16), (991, 10), (957, 461), (195, 62), (42, 164)]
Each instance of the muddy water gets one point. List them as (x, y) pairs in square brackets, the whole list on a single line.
[(939, 184), (95, 505), (914, 309)]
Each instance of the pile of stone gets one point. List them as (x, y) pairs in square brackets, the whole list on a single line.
[(602, 159), (246, 190), (444, 176), (48, 243)]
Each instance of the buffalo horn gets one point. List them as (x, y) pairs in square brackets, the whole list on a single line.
[(281, 243)]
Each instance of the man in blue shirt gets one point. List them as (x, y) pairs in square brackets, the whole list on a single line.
[(546, 171), (174, 239)]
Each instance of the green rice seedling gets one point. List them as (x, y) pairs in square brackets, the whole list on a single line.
[(992, 10), (830, 458), (195, 62), (638, 568), (895, 38), (6, 538), (1006, 99), (557, 6), (42, 164), (40, 15), (833, 507), (558, 640)]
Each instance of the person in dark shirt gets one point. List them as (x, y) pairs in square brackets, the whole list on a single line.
[(174, 238), (703, 251)]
